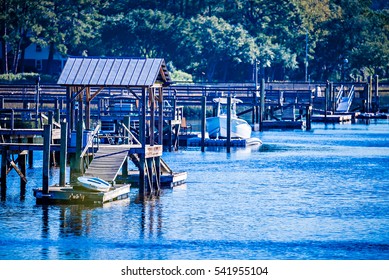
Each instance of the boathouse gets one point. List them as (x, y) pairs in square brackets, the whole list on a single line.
[(145, 78)]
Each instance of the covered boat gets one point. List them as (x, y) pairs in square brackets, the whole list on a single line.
[(217, 126), (94, 183)]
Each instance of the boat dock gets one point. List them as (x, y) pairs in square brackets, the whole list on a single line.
[(95, 145), (105, 112)]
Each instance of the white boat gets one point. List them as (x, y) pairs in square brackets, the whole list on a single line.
[(94, 183), (217, 126)]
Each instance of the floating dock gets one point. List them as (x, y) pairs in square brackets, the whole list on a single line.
[(168, 180), (78, 195), (332, 118), (195, 141), (273, 124)]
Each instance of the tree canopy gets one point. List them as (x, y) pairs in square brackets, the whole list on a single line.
[(209, 40)]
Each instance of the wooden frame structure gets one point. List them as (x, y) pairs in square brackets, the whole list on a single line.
[(86, 77)]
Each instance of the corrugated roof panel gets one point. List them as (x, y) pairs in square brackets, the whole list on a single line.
[(121, 71), (66, 71), (137, 72), (129, 72), (97, 72), (105, 71), (113, 72), (73, 73), (82, 72), (145, 72), (90, 71), (153, 72)]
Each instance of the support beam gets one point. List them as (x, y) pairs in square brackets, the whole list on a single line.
[(46, 158), (63, 154), (4, 167), (203, 120), (229, 123), (262, 105)]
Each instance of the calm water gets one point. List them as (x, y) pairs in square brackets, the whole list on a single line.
[(322, 194)]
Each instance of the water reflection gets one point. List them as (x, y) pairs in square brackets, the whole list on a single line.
[(151, 219)]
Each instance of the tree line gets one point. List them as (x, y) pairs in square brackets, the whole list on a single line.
[(209, 40)]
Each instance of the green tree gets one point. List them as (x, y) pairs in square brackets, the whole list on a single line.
[(215, 48), (140, 33)]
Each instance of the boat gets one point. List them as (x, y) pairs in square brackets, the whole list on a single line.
[(217, 126), (94, 183)]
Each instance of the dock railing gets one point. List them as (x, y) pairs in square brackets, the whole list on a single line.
[(91, 142)]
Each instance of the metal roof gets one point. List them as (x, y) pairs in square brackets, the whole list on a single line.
[(136, 72)]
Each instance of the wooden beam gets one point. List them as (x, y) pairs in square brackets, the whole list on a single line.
[(92, 96), (46, 158)]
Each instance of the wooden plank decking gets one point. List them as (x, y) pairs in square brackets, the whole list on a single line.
[(108, 161)]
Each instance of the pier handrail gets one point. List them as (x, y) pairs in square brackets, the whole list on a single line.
[(339, 95), (130, 135), (90, 142), (350, 97), (47, 119)]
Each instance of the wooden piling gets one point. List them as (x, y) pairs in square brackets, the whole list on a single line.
[(228, 123), (4, 167), (376, 95), (203, 120), (63, 153), (142, 139), (22, 168), (262, 105), (46, 158), (308, 117), (327, 93), (160, 117)]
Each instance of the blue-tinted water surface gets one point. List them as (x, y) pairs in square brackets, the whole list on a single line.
[(319, 194)]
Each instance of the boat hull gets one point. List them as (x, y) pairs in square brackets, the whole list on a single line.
[(217, 128), (94, 184)]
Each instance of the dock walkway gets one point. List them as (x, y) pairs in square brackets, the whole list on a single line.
[(108, 161)]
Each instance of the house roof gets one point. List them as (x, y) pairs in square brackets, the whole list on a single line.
[(116, 72)]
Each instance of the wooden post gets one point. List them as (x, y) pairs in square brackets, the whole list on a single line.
[(152, 116), (87, 109), (203, 120), (376, 95), (4, 155), (30, 140), (22, 167), (262, 104), (332, 97), (158, 174), (37, 102), (46, 158), (142, 139), (229, 123), (126, 122), (150, 177), (170, 136), (160, 117), (327, 92), (125, 168), (63, 154), (68, 111), (255, 117), (308, 116), (369, 91)]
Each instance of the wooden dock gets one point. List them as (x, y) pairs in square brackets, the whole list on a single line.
[(332, 118), (168, 180), (77, 195)]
